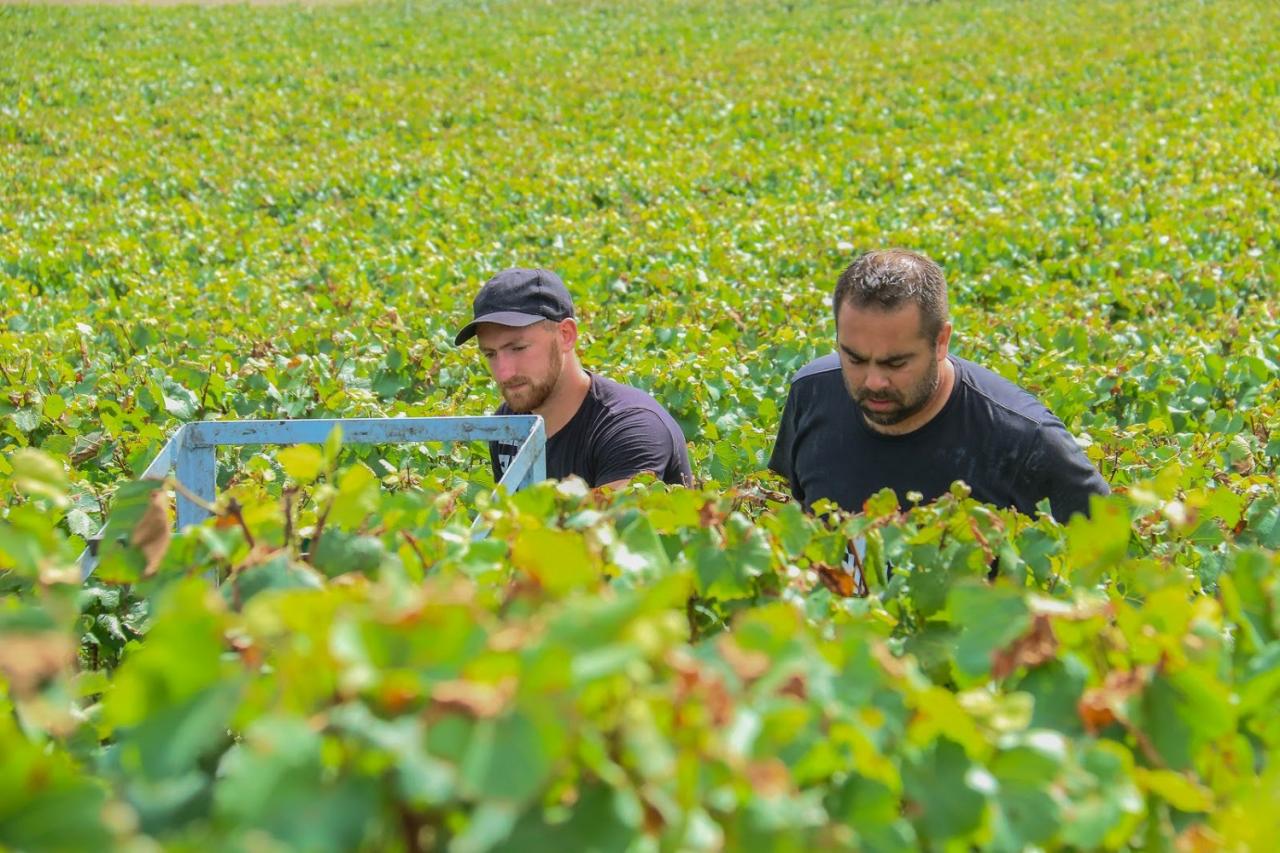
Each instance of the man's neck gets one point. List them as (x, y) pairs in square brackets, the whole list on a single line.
[(939, 398), (566, 399)]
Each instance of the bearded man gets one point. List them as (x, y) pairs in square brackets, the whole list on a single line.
[(598, 429), (892, 407)]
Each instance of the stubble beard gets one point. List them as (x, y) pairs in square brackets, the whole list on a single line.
[(532, 394), (908, 404)]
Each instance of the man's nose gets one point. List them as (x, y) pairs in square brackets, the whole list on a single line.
[(503, 367), (877, 380)]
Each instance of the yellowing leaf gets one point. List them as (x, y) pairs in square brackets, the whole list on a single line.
[(557, 559), (1180, 791), (302, 462), (37, 474)]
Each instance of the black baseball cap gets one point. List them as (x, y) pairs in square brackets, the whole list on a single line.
[(518, 297)]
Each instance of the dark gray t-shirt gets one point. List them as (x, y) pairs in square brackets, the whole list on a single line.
[(997, 438), (617, 433)]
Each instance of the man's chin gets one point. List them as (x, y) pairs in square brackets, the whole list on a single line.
[(887, 416), (883, 418), (525, 402)]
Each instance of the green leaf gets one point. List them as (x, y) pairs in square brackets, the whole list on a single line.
[(46, 801), (338, 552), (278, 573), (54, 406), (990, 617), (332, 446), (639, 553), (793, 529), (1028, 776), (357, 497), (939, 789), (727, 569), (599, 820), (276, 781), (489, 828), (181, 658), (507, 760), (1103, 802), (180, 402), (27, 420), (1102, 539), (168, 742)]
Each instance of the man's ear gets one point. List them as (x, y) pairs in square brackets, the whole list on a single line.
[(567, 332), (943, 345)]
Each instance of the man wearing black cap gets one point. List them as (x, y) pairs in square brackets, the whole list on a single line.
[(602, 431)]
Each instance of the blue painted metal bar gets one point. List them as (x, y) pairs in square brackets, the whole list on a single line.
[(192, 449), (363, 430), (159, 467), (197, 466), (530, 463)]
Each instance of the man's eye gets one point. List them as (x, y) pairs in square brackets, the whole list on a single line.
[(894, 365)]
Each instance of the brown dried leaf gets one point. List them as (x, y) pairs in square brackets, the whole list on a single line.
[(151, 535), (748, 664), (654, 822), (769, 778), (30, 659), (719, 702), (1031, 649), (711, 515), (1198, 838), (840, 582), (1101, 706), (395, 698), (1095, 711), (892, 665), (511, 638), (795, 686), (473, 698)]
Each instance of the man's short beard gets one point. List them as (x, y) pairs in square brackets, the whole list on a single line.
[(537, 393), (909, 404)]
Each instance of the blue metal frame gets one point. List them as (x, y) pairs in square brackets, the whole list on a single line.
[(191, 449)]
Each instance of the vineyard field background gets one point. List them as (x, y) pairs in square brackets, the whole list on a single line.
[(283, 211)]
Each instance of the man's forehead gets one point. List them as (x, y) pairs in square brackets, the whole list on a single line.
[(496, 334), (901, 320)]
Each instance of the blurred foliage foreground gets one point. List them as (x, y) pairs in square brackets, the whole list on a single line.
[(663, 669), (236, 213)]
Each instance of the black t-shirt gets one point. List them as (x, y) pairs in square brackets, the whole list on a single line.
[(997, 438), (617, 433)]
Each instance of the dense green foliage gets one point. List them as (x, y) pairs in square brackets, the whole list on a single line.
[(283, 212)]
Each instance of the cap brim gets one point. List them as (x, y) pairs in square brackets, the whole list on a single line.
[(501, 318)]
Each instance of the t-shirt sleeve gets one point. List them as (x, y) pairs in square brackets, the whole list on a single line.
[(1062, 473), (636, 443), (783, 456)]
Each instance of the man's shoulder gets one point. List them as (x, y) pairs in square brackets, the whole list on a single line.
[(825, 367), (617, 399), (1007, 400)]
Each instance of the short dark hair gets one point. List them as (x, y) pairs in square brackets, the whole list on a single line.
[(889, 278)]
